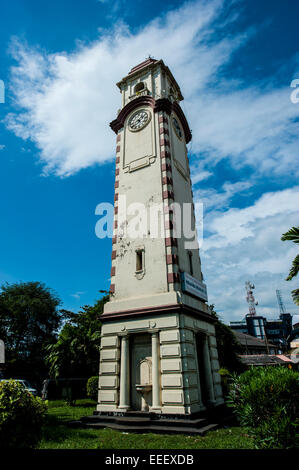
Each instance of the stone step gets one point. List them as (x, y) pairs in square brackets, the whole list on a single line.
[(133, 414), (144, 421), (130, 421), (152, 429), (195, 423)]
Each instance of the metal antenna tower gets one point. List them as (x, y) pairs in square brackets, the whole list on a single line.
[(280, 302), (250, 298)]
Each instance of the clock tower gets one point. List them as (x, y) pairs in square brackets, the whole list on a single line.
[(158, 349)]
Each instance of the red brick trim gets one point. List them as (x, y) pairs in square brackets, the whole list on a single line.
[(163, 120), (115, 209), (170, 241), (118, 138), (112, 271), (165, 154), (113, 255), (173, 277), (116, 197), (117, 160), (167, 180), (117, 172), (165, 167), (172, 259), (112, 288), (167, 195), (165, 161), (168, 224), (114, 239), (164, 142), (169, 259), (168, 210), (162, 130), (116, 185)]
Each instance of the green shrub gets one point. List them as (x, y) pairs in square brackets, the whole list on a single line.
[(92, 387), (266, 399), (21, 416)]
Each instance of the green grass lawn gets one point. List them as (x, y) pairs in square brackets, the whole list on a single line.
[(57, 435)]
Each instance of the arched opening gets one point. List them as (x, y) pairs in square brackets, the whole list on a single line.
[(141, 369)]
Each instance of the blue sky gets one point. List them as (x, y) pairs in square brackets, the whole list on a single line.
[(234, 61)]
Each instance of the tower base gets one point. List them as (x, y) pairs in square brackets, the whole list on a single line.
[(161, 359)]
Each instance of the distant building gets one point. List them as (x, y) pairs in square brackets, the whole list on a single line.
[(275, 331), (267, 360), (294, 342), (294, 336), (255, 346)]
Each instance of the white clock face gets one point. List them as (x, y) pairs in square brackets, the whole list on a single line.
[(177, 128), (138, 120)]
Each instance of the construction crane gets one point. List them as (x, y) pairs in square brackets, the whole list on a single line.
[(250, 298), (280, 302)]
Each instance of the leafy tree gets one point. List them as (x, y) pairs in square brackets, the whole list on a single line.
[(293, 235), (76, 352), (29, 318), (228, 346)]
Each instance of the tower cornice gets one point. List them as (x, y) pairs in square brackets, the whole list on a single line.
[(150, 64), (163, 309), (161, 104)]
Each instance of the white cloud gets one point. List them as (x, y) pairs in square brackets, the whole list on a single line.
[(211, 198), (77, 295), (200, 175), (251, 126), (245, 245), (235, 225), (66, 101)]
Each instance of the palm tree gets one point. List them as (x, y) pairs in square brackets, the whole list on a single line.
[(293, 235)]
